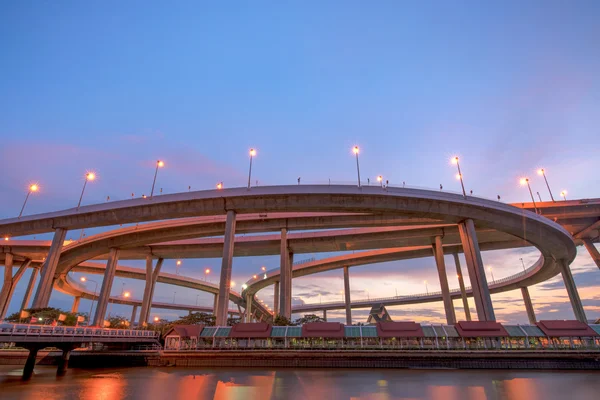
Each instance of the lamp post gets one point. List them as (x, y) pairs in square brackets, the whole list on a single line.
[(492, 272), (159, 164), (380, 180), (220, 185), (542, 172), (525, 181), (32, 188), (564, 194), (426, 288), (197, 299), (206, 272), (523, 264), (252, 154), (90, 176), (174, 293), (459, 176), (84, 279), (356, 150), (177, 266)]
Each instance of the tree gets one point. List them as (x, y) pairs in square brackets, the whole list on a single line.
[(308, 318), (118, 322), (47, 315), (280, 320), (233, 321), (197, 318)]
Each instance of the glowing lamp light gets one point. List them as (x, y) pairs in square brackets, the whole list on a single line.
[(207, 271), (454, 160), (252, 152), (244, 286), (458, 176), (355, 150), (564, 192), (232, 284), (40, 319), (6, 238), (541, 171), (126, 294), (90, 176), (83, 279), (254, 276), (263, 268), (524, 181), (379, 178), (160, 163), (178, 262), (220, 185), (34, 188), (155, 319)]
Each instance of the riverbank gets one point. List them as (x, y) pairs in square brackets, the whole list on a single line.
[(541, 360)]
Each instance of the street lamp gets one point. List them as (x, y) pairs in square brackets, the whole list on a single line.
[(380, 180), (32, 188), (232, 284), (254, 276), (523, 264), (126, 294), (263, 268), (426, 288), (542, 172), (159, 164), (156, 319), (244, 286), (206, 272), (177, 265), (84, 279), (220, 185), (459, 176), (525, 181), (492, 272), (564, 194), (252, 154), (356, 150), (90, 176)]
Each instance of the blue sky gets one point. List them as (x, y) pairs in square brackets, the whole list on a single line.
[(112, 87)]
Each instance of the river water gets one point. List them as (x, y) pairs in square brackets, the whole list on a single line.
[(326, 384)]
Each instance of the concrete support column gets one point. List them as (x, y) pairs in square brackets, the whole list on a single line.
[(285, 283), (215, 304), (325, 315), (75, 305), (572, 291), (461, 284), (481, 292), (44, 290), (151, 278), (10, 282), (63, 362), (30, 363), (276, 299), (347, 295), (133, 315), (438, 252), (528, 305), (249, 308), (29, 291), (226, 265), (594, 253), (109, 275)]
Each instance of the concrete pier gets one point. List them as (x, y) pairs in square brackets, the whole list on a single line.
[(481, 292), (226, 266), (133, 315), (276, 299), (438, 252), (30, 363), (285, 283), (461, 285), (10, 282), (44, 290), (528, 305), (75, 306), (151, 278), (565, 270), (347, 295), (29, 290), (107, 282)]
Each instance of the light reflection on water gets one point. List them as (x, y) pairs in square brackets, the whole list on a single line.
[(327, 384)]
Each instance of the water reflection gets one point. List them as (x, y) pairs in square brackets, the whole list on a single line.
[(327, 384)]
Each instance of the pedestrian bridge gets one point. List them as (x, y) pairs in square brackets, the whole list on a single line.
[(22, 333)]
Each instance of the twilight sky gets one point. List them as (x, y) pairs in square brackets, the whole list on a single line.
[(111, 87)]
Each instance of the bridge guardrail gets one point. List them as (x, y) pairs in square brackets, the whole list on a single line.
[(28, 330)]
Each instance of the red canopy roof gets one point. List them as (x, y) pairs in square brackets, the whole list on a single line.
[(251, 330), (185, 330), (323, 329), (566, 328), (469, 329), (399, 329)]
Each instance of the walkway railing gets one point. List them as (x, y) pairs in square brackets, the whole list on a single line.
[(22, 330)]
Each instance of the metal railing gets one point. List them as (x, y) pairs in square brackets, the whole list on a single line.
[(22, 330)]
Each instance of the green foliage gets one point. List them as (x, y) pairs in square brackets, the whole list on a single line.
[(280, 320), (233, 321), (308, 318), (48, 315), (118, 322)]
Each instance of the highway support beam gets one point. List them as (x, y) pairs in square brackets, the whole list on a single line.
[(347, 295), (30, 363), (572, 291), (528, 305), (44, 290), (594, 253), (215, 304), (133, 315), (63, 361), (325, 315), (285, 276), (226, 266), (438, 252), (151, 278), (29, 290), (461, 285), (276, 299), (249, 307), (75, 305), (481, 292), (10, 282), (107, 282)]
